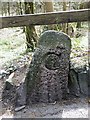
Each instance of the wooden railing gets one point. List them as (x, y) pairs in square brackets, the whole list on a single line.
[(45, 18)]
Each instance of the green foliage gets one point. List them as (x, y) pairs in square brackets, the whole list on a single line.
[(76, 42), (12, 44)]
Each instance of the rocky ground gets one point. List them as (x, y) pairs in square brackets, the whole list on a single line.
[(73, 108), (16, 71)]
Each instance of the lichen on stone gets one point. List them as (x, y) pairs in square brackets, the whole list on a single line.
[(47, 78)]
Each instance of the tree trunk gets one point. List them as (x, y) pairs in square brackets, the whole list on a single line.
[(49, 6), (31, 36), (4, 8), (79, 23), (21, 12), (21, 8), (64, 25), (8, 8), (1, 9)]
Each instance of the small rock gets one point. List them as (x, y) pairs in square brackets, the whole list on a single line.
[(8, 85), (11, 69), (53, 103), (10, 77), (19, 108), (9, 82), (3, 73)]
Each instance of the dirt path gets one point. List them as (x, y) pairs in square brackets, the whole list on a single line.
[(76, 108)]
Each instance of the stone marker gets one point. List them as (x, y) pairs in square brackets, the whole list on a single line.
[(73, 85), (47, 78), (83, 82)]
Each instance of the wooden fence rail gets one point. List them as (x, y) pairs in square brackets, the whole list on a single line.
[(45, 18)]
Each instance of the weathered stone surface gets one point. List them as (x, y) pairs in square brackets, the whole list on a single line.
[(89, 77), (83, 82), (79, 81), (47, 78), (21, 95), (89, 81), (9, 82), (73, 83)]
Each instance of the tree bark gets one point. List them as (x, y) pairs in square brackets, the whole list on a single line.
[(64, 25), (79, 23), (21, 8), (49, 8), (8, 8), (31, 36)]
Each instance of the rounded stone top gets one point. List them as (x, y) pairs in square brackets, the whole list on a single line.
[(52, 38)]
